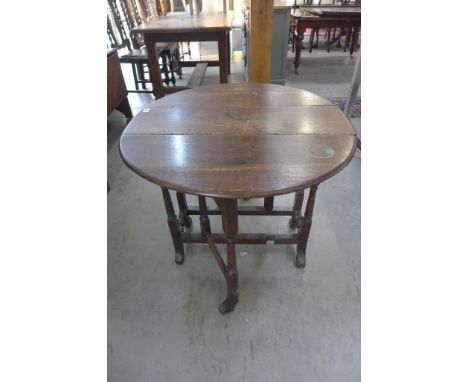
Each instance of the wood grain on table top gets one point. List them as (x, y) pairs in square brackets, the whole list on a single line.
[(198, 141), (184, 22)]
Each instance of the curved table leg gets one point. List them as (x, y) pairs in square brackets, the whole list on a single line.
[(229, 215), (304, 229), (173, 223)]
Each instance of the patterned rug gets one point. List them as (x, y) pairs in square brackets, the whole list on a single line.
[(341, 103)]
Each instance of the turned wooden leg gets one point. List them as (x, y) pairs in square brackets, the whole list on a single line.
[(328, 40), (312, 33), (173, 227), (204, 218), (298, 199), (229, 215), (348, 37), (354, 40), (268, 203), (135, 76), (304, 229), (299, 38), (165, 70), (182, 201), (293, 36), (141, 75), (338, 45)]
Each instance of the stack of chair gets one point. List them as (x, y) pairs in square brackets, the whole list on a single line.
[(123, 16)]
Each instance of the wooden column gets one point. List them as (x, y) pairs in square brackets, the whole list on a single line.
[(261, 29)]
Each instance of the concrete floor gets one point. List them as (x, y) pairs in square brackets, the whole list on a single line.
[(289, 324)]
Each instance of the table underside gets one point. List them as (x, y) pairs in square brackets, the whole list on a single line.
[(180, 226)]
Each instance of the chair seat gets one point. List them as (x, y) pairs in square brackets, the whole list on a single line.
[(142, 55)]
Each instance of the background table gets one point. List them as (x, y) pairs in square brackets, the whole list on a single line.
[(238, 141), (183, 27), (325, 17)]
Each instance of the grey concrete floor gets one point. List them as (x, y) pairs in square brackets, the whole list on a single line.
[(289, 324)]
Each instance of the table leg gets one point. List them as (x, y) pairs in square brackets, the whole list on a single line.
[(228, 43), (304, 229), (182, 201), (348, 37), (268, 203), (204, 218), (153, 66), (229, 215), (298, 199), (173, 227), (354, 40), (299, 38), (223, 57)]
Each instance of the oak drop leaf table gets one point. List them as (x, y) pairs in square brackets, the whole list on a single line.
[(237, 141)]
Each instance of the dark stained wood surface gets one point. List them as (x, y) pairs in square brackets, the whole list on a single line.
[(335, 11), (184, 27), (238, 141), (183, 22), (116, 90)]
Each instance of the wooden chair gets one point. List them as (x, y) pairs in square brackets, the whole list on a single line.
[(126, 15)]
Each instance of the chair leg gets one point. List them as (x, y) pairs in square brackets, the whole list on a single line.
[(141, 74), (328, 39), (135, 76), (165, 69), (311, 39)]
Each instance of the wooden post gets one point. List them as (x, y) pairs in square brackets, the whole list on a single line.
[(261, 29)]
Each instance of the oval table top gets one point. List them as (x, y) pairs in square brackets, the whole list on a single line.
[(238, 141)]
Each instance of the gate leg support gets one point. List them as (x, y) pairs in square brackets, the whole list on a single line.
[(182, 201), (173, 227), (228, 208), (204, 218), (298, 199), (304, 229)]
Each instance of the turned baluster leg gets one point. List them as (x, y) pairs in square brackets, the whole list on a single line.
[(182, 201), (141, 74), (354, 40), (173, 227), (204, 218), (299, 38), (135, 76), (304, 229), (348, 37), (312, 33), (298, 199), (229, 215), (268, 203), (293, 36)]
